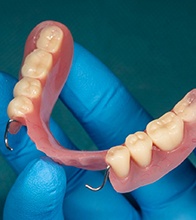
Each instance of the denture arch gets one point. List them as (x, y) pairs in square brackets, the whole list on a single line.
[(45, 68)]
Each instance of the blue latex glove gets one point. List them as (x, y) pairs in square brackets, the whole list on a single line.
[(46, 190)]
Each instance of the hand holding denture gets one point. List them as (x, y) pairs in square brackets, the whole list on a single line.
[(108, 113)]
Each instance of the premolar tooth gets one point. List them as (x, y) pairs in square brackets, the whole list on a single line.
[(28, 87), (140, 147), (167, 131), (186, 107), (50, 39), (37, 64), (119, 159), (19, 107)]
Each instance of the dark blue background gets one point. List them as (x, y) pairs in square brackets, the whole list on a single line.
[(149, 45)]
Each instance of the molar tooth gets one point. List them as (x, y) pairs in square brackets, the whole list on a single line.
[(37, 64), (167, 131), (28, 87), (119, 159), (140, 147), (186, 107), (19, 107), (50, 39)]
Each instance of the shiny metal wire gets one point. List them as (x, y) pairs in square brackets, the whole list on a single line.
[(103, 183), (7, 132)]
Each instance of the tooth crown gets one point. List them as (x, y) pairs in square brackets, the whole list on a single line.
[(186, 107), (20, 106), (50, 39), (138, 139), (140, 147), (37, 64), (119, 159), (28, 87), (167, 131)]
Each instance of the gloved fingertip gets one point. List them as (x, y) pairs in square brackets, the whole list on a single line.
[(38, 192)]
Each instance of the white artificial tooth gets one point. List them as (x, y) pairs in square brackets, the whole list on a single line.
[(140, 147), (167, 131), (119, 159), (186, 107), (19, 107), (50, 39), (29, 87), (37, 64)]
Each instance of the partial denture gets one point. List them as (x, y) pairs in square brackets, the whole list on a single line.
[(144, 158)]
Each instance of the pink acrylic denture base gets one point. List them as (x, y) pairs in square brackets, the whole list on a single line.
[(37, 125), (162, 162)]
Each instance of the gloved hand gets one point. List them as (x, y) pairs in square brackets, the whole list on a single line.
[(46, 190)]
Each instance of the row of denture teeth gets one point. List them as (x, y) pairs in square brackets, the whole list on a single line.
[(34, 72), (166, 133)]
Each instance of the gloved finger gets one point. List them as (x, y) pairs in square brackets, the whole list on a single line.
[(171, 197), (100, 102), (37, 193), (92, 205), (105, 204), (24, 188), (109, 114)]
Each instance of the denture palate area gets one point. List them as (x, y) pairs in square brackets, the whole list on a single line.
[(163, 138)]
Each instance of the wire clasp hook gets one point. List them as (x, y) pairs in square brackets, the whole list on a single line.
[(7, 132), (103, 183)]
